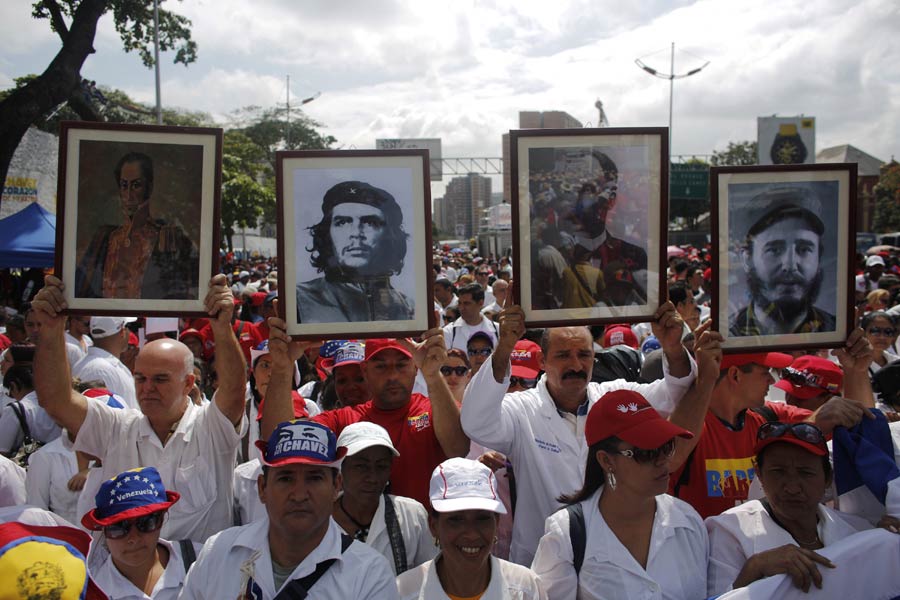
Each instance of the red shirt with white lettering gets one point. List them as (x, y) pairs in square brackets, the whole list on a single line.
[(412, 433), (721, 466)]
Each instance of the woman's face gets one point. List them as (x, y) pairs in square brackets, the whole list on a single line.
[(262, 373), (6, 363), (367, 472), (135, 549), (793, 479), (466, 538), (456, 383), (645, 478), (877, 333)]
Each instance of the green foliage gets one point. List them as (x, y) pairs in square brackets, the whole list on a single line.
[(737, 153), (272, 130), (248, 185), (887, 199), (133, 20)]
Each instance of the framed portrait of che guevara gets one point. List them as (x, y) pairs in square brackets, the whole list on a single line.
[(354, 243), (784, 268), (138, 217), (589, 213)]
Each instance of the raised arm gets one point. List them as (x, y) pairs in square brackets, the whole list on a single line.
[(230, 363), (855, 358), (690, 412), (429, 355), (668, 327), (52, 375), (278, 405)]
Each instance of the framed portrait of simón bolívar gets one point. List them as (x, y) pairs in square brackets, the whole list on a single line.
[(138, 217), (354, 243), (589, 213)]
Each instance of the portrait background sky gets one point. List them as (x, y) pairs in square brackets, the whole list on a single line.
[(461, 71), (311, 185)]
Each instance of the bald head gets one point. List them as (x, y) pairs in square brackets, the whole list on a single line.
[(172, 352)]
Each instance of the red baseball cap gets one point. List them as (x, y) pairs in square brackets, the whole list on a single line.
[(526, 359), (191, 332), (627, 415), (773, 360), (377, 345), (809, 376), (619, 334), (789, 436), (257, 298)]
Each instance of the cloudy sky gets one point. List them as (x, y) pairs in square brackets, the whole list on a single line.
[(462, 70)]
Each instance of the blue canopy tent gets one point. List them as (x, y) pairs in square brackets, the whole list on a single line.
[(27, 238)]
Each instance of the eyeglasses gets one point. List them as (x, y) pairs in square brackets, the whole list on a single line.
[(886, 331), (480, 352), (145, 524), (803, 378), (642, 457), (525, 382), (459, 371), (806, 432)]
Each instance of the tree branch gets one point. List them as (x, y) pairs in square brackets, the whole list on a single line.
[(56, 19)]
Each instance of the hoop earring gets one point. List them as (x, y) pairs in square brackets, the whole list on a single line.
[(611, 479)]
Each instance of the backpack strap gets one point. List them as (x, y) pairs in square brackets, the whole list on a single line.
[(398, 547), (23, 422), (577, 534), (298, 589), (188, 554), (766, 412), (685, 476)]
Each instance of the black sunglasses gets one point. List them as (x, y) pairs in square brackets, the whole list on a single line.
[(145, 524), (806, 432), (525, 382), (459, 371), (797, 377), (642, 457), (887, 331)]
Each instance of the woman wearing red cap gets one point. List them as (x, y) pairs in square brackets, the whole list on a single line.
[(621, 536), (782, 532)]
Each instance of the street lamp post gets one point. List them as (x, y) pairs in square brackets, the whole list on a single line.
[(671, 76)]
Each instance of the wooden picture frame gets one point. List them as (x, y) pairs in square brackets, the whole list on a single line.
[(377, 280), (147, 246), (590, 223), (784, 265)]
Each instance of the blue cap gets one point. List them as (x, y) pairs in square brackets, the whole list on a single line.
[(303, 442)]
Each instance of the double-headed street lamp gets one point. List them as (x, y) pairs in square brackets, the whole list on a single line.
[(672, 76)]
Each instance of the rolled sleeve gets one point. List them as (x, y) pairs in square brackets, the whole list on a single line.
[(484, 416), (101, 428), (665, 393), (554, 560), (226, 436)]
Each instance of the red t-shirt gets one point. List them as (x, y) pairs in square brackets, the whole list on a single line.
[(412, 433), (721, 466)]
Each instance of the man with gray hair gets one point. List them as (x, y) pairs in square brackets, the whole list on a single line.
[(781, 253), (193, 447)]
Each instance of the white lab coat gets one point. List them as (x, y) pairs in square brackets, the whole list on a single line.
[(219, 573), (509, 581), (548, 458), (100, 364), (676, 562), (118, 587), (49, 472), (747, 529)]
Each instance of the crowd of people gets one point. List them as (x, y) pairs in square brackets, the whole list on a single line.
[(484, 459)]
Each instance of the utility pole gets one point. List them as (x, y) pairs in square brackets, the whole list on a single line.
[(156, 60)]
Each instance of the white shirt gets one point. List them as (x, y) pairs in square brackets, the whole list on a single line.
[(548, 454), (413, 521), (866, 568), (12, 483), (508, 582), (457, 333), (197, 462), (118, 587), (676, 561), (46, 486), (247, 505), (84, 343), (747, 529), (40, 425), (31, 515), (74, 354), (228, 558), (100, 364)]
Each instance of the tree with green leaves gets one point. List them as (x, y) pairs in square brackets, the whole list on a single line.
[(737, 153), (887, 199), (248, 188), (273, 129), (75, 22)]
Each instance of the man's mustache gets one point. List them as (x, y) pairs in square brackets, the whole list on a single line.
[(356, 248), (575, 375)]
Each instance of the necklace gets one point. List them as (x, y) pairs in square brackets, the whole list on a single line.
[(362, 531)]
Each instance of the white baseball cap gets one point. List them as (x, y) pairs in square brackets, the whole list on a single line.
[(102, 327), (359, 436), (874, 260), (463, 484)]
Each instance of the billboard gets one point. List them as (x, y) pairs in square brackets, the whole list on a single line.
[(786, 140), (433, 145)]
